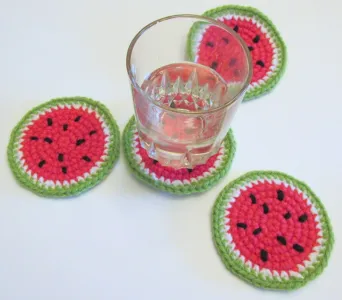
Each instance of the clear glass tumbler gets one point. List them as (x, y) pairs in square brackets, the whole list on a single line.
[(183, 108)]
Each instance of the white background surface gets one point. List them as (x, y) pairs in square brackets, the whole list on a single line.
[(123, 240)]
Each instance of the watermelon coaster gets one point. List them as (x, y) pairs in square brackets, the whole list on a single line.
[(181, 181), (209, 46), (271, 230), (64, 147)]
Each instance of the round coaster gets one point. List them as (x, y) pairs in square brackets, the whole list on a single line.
[(271, 230), (64, 147), (181, 181), (209, 46)]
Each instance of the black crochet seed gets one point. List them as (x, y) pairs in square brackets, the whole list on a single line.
[(298, 248), (65, 170), (80, 142), (236, 28), (260, 63), (257, 231), (266, 209), (303, 218), (92, 132), (250, 48), (241, 225), (34, 138), (214, 65), (155, 161), (256, 39), (210, 44), (280, 195), (287, 215), (49, 122), (264, 255), (77, 118), (65, 127), (86, 158), (254, 201), (232, 62), (225, 40), (60, 157), (189, 170), (41, 163), (48, 140), (281, 240)]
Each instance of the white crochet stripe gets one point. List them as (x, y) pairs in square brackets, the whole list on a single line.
[(50, 183), (284, 275), (263, 28), (147, 171)]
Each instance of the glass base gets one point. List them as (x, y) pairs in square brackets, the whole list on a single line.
[(176, 159)]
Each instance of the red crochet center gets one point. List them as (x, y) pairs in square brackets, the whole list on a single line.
[(63, 144), (219, 51), (170, 173), (273, 226)]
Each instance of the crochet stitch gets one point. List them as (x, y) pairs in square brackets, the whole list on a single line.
[(182, 181), (209, 46), (64, 147), (271, 230)]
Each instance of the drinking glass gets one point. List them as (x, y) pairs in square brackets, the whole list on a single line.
[(184, 108)]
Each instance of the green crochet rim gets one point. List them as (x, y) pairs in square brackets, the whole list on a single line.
[(73, 189), (271, 82), (199, 186), (236, 266)]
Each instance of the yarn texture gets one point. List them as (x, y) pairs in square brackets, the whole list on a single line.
[(271, 230), (63, 147), (210, 46), (182, 181)]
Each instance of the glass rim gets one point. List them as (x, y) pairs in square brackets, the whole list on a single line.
[(200, 18)]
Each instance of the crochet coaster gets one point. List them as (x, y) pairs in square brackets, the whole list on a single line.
[(181, 181), (209, 46), (271, 230), (64, 147)]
